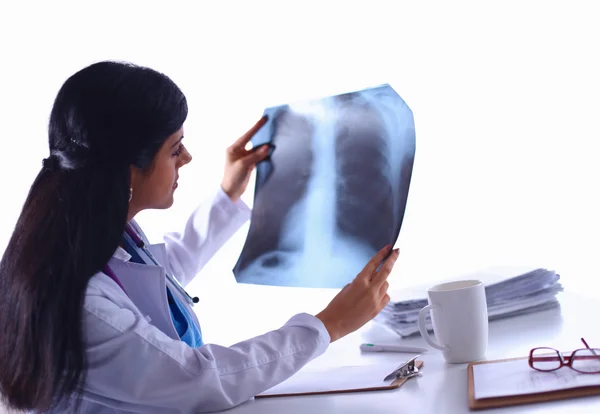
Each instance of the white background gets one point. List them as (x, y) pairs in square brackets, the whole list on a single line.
[(504, 94)]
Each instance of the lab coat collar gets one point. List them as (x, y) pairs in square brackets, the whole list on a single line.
[(121, 254), (158, 250)]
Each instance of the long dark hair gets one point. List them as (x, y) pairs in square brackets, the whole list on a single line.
[(106, 118)]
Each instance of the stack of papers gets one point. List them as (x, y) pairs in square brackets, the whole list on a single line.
[(527, 293)]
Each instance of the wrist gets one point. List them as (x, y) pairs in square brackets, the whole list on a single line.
[(232, 196), (330, 324)]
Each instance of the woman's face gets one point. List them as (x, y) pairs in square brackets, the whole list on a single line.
[(154, 188)]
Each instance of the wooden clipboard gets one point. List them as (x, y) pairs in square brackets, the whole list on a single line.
[(505, 401), (396, 384)]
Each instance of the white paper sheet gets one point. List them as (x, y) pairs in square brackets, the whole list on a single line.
[(334, 379), (500, 379)]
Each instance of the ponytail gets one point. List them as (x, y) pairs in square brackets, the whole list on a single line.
[(69, 227)]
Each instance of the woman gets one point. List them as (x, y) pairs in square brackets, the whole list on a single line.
[(92, 319)]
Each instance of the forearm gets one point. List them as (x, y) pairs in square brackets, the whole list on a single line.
[(209, 227)]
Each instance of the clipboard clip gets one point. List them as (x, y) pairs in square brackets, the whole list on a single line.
[(406, 370)]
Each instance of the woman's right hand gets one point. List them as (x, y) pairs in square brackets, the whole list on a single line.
[(360, 301)]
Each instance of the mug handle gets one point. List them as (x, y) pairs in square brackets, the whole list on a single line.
[(423, 329)]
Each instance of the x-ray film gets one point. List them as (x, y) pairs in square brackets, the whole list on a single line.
[(333, 191)]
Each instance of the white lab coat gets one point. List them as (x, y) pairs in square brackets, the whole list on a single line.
[(137, 362)]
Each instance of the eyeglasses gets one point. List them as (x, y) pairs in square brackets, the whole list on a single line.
[(585, 360)]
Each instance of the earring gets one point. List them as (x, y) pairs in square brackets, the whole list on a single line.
[(130, 193)]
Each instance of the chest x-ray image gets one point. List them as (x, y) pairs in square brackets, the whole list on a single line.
[(333, 191)]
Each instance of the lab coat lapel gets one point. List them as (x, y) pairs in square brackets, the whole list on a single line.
[(160, 254), (159, 251), (146, 287)]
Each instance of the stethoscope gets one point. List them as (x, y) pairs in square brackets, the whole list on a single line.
[(141, 245)]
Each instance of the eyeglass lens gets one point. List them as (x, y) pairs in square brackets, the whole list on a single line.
[(586, 360), (545, 359)]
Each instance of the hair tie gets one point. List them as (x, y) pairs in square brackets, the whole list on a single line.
[(52, 163)]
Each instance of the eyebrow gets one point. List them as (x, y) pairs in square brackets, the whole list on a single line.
[(177, 142)]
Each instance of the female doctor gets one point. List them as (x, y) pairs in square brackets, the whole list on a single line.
[(92, 318)]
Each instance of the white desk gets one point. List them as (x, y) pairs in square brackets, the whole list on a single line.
[(443, 388)]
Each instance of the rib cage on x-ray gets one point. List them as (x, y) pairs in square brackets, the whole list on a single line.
[(364, 195), (332, 193)]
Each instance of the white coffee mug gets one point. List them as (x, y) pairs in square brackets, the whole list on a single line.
[(460, 320)]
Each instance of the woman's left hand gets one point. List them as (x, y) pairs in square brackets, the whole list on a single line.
[(239, 162)]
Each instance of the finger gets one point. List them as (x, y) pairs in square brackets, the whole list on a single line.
[(263, 147), (241, 142), (386, 268), (375, 261), (384, 301), (384, 288), (256, 156)]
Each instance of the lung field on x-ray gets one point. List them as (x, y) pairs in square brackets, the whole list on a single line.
[(333, 192)]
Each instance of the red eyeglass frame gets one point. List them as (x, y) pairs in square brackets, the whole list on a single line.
[(565, 360)]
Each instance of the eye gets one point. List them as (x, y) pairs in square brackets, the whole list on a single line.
[(179, 150)]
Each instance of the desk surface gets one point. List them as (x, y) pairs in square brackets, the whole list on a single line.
[(443, 387)]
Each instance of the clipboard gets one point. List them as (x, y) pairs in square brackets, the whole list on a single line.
[(511, 400), (360, 378)]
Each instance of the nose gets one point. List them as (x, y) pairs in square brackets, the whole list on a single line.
[(187, 157)]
